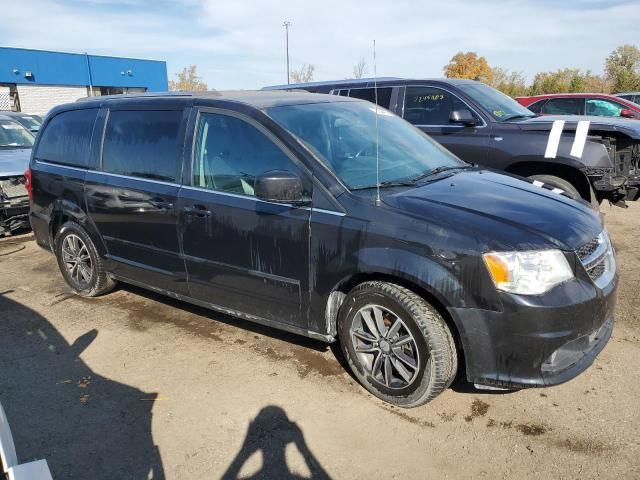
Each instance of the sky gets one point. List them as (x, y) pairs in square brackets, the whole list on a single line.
[(241, 44)]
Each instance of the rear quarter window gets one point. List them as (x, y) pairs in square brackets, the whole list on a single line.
[(142, 144), (66, 139), (369, 94)]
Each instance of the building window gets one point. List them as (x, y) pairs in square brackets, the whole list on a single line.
[(101, 91)]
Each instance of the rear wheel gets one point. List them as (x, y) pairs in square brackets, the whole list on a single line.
[(397, 345), (79, 262)]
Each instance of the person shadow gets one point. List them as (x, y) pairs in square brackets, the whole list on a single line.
[(83, 424), (270, 433)]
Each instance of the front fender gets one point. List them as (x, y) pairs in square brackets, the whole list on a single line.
[(453, 281), (417, 269)]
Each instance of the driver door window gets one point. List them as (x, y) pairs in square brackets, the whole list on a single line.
[(431, 106), (230, 153)]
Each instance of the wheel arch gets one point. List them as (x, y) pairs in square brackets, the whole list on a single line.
[(430, 294), (571, 172), (63, 211)]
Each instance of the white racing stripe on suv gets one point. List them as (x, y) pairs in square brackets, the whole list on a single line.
[(581, 138), (554, 139)]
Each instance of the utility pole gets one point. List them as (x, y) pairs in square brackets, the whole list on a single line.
[(286, 24)]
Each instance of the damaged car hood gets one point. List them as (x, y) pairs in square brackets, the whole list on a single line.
[(498, 207), (14, 161), (627, 126)]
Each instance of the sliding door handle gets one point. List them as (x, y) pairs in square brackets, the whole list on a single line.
[(197, 210)]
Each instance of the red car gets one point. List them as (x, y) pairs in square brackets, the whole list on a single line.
[(596, 104)]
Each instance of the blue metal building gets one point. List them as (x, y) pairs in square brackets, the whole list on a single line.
[(34, 81)]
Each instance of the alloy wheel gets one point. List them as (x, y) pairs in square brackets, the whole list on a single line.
[(385, 347), (76, 259)]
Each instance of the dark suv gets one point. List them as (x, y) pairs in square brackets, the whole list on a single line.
[(265, 205), (593, 158)]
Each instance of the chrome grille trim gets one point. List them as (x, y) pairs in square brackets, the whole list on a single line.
[(598, 259)]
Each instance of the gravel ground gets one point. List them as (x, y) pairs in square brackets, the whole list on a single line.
[(135, 385)]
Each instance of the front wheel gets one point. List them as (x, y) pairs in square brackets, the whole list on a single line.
[(397, 345), (79, 262)]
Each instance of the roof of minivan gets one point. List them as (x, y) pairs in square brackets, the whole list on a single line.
[(258, 99)]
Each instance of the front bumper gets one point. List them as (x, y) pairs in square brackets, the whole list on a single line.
[(537, 341), (14, 216), (615, 188)]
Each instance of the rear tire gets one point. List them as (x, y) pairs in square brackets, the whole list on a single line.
[(79, 262), (397, 344)]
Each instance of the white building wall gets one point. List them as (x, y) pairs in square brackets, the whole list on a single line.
[(39, 99), (5, 98)]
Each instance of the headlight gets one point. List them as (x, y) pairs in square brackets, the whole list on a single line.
[(528, 273)]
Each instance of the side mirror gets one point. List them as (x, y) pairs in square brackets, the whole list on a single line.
[(463, 116), (280, 186), (627, 113)]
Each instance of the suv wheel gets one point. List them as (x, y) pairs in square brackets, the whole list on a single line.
[(79, 262), (397, 345), (568, 187)]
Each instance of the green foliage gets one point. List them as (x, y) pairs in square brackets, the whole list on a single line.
[(510, 83), (623, 68)]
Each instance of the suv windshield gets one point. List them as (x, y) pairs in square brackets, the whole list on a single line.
[(500, 106), (343, 135), (12, 134)]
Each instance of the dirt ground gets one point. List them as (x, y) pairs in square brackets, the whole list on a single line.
[(135, 385)]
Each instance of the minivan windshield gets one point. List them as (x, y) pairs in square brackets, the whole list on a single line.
[(14, 135), (343, 135), (500, 106)]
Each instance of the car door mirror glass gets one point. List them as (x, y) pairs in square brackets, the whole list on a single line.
[(280, 186), (627, 113)]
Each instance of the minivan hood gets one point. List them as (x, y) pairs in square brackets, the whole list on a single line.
[(14, 161), (504, 210)]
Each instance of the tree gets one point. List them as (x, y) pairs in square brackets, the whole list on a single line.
[(468, 65), (303, 75), (509, 83), (596, 83), (570, 80), (623, 68), (360, 68), (188, 80)]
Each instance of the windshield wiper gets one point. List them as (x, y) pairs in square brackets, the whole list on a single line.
[(386, 184), (437, 170), (413, 180), (513, 117)]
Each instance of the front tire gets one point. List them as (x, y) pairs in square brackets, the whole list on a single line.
[(397, 345), (79, 262)]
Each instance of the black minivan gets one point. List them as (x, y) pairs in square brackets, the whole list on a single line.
[(332, 218)]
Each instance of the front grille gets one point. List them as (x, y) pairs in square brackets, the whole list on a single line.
[(598, 259)]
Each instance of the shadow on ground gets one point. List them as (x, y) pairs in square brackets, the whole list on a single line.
[(83, 424), (270, 433)]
